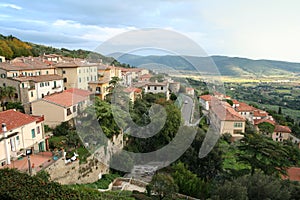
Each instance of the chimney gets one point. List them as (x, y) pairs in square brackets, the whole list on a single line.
[(4, 129)]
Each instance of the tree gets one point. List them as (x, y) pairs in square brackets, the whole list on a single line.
[(266, 128), (279, 110), (188, 183), (206, 168), (258, 186), (112, 83), (163, 185), (265, 154)]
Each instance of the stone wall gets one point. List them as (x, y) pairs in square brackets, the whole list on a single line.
[(75, 173)]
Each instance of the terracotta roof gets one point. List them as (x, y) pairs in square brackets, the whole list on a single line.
[(106, 80), (14, 119), (38, 79), (206, 97), (80, 92), (259, 121), (145, 76), (75, 64), (64, 99), (243, 107), (130, 89), (189, 89), (260, 113), (283, 129), (156, 84), (225, 112), (293, 174), (234, 101), (130, 69), (25, 63)]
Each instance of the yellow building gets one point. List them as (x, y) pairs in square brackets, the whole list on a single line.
[(77, 74), (100, 88), (61, 107)]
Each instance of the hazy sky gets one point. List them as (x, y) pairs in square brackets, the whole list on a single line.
[(254, 29)]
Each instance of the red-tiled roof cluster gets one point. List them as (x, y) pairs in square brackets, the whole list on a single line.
[(259, 121), (260, 113), (25, 63), (206, 97), (243, 107), (14, 119), (225, 112), (131, 89), (282, 129)]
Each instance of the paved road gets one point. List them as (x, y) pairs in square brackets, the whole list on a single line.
[(187, 109)]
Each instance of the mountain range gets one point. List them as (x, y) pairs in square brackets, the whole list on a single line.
[(227, 66)]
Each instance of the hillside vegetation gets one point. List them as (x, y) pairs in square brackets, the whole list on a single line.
[(12, 47)]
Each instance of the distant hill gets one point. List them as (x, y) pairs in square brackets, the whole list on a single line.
[(12, 47), (228, 66)]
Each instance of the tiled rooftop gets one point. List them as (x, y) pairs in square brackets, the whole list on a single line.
[(38, 79), (14, 119)]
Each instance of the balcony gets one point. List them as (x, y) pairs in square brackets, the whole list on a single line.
[(56, 87)]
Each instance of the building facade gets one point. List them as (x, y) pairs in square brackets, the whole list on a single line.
[(20, 132)]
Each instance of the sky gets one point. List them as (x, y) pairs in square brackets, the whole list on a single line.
[(258, 29)]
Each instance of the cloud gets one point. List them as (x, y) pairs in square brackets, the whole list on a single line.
[(13, 6)]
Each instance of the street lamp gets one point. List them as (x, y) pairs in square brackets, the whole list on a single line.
[(28, 153)]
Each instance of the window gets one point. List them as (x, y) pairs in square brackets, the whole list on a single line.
[(54, 84), (276, 134), (79, 71), (238, 125), (23, 85), (43, 95), (18, 140), (74, 109), (3, 163), (31, 93), (38, 130), (87, 78), (4, 84), (32, 133), (148, 87), (65, 80), (95, 78), (79, 80), (47, 72), (64, 72), (162, 88), (69, 112), (155, 88)]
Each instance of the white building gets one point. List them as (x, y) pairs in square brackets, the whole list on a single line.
[(156, 87), (20, 132)]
